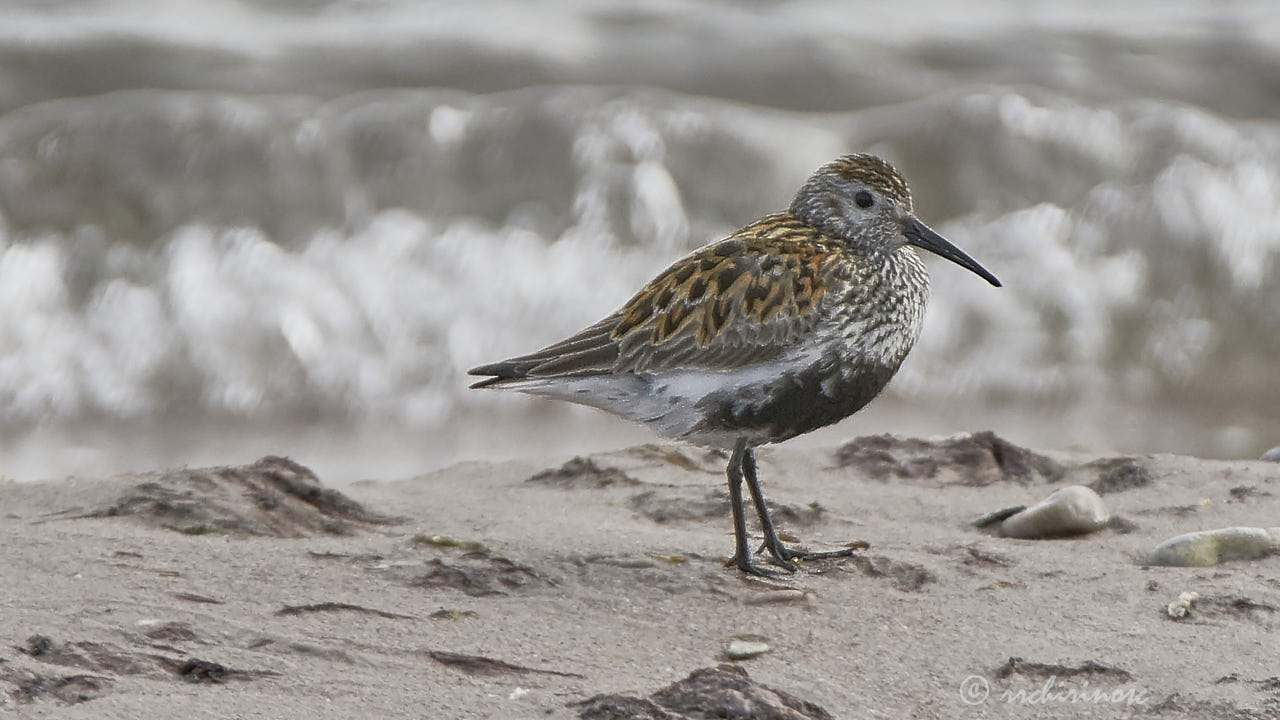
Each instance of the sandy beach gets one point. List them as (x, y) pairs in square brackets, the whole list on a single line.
[(560, 587), (249, 251)]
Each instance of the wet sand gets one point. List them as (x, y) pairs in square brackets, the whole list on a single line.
[(524, 589)]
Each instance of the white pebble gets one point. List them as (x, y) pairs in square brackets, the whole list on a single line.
[(1179, 608), (1210, 547), (1072, 510), (743, 647)]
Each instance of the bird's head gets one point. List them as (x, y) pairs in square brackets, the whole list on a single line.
[(863, 201)]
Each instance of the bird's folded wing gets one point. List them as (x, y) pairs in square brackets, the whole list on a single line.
[(729, 305), (592, 351)]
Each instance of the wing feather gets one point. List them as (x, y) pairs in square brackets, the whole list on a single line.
[(593, 351), (747, 300), (738, 302)]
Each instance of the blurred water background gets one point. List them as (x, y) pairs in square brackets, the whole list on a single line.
[(232, 228)]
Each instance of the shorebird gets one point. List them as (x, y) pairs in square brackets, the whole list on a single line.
[(790, 324)]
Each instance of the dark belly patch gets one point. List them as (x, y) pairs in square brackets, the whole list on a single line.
[(797, 403)]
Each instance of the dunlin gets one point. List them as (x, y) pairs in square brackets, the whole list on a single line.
[(790, 324)]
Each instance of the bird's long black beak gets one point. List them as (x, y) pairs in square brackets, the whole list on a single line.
[(922, 236)]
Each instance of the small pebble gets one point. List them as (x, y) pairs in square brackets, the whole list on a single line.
[(1073, 510), (1272, 455), (1181, 607), (744, 647), (1211, 547)]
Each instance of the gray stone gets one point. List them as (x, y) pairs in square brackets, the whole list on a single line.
[(1272, 455), (1072, 510), (1211, 547)]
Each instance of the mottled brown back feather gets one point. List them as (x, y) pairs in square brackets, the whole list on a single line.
[(740, 301), (753, 295)]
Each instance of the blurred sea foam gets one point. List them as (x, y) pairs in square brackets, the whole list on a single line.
[(233, 228)]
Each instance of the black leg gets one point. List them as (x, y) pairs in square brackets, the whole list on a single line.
[(782, 555), (742, 552), (771, 541)]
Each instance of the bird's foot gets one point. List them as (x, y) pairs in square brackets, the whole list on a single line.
[(782, 556), (749, 567)]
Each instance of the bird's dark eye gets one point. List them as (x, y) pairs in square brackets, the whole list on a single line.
[(864, 199)]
